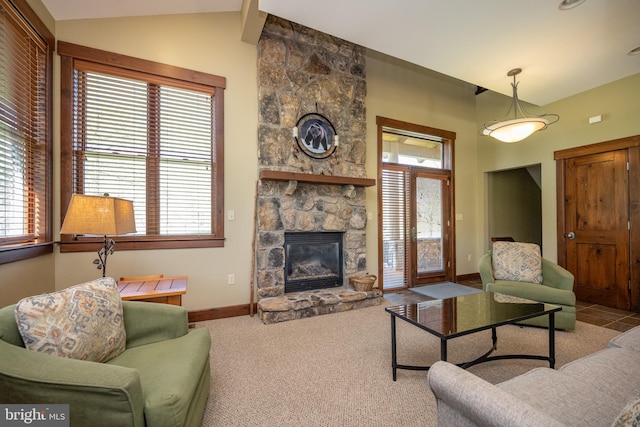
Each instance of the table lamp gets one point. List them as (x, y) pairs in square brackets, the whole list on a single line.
[(99, 215)]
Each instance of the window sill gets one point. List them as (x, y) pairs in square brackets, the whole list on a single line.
[(12, 253), (141, 243)]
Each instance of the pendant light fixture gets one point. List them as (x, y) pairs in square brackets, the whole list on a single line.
[(522, 124), (569, 4)]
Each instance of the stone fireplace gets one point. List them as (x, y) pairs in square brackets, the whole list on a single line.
[(302, 71)]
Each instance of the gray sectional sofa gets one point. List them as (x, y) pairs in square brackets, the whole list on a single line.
[(595, 390)]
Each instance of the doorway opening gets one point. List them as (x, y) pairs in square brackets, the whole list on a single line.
[(515, 205)]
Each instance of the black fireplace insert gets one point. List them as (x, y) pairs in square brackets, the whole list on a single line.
[(313, 260)]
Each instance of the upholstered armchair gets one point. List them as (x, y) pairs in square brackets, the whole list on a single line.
[(161, 378), (556, 288)]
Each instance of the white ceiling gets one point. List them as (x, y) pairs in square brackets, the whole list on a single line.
[(562, 53), (81, 9)]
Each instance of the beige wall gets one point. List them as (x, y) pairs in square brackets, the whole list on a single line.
[(25, 278), (405, 92), (396, 90), (43, 14), (211, 43), (617, 102)]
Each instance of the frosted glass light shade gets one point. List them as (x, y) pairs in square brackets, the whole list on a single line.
[(515, 130), (100, 215)]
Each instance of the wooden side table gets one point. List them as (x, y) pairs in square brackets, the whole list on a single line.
[(164, 290)]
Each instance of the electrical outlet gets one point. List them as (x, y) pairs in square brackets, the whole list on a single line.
[(595, 119), (231, 279)]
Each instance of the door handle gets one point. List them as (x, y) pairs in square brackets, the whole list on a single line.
[(571, 235), (414, 234)]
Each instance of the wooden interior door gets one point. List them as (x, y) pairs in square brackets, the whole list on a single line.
[(597, 227)]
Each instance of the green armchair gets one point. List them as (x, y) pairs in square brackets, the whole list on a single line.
[(161, 379), (556, 288)]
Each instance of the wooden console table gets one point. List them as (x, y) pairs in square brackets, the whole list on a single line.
[(165, 290)]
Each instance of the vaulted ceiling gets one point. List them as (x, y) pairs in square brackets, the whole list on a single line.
[(561, 52)]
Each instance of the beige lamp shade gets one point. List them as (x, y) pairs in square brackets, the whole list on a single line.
[(100, 215)]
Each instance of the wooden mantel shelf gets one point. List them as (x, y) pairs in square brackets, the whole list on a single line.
[(315, 179)]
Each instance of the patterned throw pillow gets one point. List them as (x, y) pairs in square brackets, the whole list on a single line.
[(520, 262), (630, 415), (81, 322)]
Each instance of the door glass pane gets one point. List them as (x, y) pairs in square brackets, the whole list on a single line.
[(429, 224), (394, 228)]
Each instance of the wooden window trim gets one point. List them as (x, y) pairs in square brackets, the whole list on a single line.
[(12, 252), (68, 54)]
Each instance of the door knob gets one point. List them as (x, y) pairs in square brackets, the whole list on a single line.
[(571, 235)]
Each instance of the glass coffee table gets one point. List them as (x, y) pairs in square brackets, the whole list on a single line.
[(455, 317)]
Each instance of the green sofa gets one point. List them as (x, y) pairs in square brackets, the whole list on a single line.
[(161, 379), (556, 288)]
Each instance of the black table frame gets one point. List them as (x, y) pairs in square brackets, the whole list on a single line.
[(483, 358)]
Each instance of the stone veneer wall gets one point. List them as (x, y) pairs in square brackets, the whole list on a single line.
[(303, 71)]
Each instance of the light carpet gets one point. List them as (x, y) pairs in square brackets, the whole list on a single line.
[(445, 290), (335, 369)]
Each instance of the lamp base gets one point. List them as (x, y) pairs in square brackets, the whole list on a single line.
[(103, 253)]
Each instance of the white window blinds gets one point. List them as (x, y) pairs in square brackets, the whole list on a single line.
[(149, 140), (24, 203), (396, 236)]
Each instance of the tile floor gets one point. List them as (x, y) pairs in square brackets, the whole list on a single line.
[(612, 318)]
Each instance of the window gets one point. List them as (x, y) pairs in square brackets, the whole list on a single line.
[(146, 132), (411, 148), (25, 146)]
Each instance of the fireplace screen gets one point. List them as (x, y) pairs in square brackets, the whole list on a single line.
[(312, 261)]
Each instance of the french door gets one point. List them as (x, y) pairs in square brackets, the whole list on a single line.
[(416, 207), (430, 226)]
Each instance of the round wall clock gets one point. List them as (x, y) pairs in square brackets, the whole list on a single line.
[(315, 135)]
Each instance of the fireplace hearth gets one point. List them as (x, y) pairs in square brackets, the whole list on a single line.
[(313, 260)]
